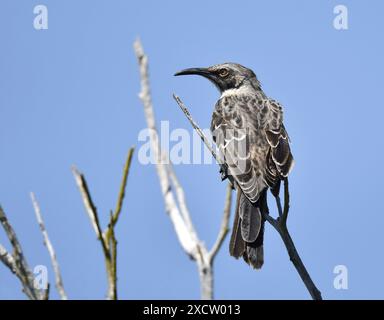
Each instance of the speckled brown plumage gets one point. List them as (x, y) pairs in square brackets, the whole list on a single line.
[(248, 129)]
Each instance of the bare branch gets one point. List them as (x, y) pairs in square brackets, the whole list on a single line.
[(180, 195), (278, 224), (286, 202), (107, 239), (46, 292), (185, 238), (224, 224), (51, 250), (112, 267), (200, 132), (90, 208), (7, 259), (278, 204), (217, 156), (19, 266), (123, 185), (173, 193), (109, 234)]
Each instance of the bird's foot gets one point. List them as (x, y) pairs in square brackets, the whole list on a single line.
[(223, 172)]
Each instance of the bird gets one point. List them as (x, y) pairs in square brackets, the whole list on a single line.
[(247, 127)]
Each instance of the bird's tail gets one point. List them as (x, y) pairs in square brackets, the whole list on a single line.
[(248, 231)]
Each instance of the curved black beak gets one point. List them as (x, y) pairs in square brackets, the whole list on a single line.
[(198, 71)]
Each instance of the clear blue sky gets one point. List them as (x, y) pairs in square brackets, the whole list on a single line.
[(68, 95)]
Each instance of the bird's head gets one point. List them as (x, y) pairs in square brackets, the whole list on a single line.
[(225, 76)]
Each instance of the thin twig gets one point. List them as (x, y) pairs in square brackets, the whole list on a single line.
[(279, 224), (286, 202), (20, 265), (123, 184), (278, 204), (217, 156), (200, 132), (224, 224), (90, 208), (51, 250)]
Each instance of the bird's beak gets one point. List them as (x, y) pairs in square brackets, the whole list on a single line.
[(198, 71)]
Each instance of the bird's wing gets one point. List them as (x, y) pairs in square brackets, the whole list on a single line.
[(279, 157), (235, 130)]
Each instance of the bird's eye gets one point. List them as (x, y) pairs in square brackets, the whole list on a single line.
[(223, 72)]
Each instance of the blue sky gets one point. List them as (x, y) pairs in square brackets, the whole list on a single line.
[(68, 95)]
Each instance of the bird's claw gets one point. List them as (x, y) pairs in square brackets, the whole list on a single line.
[(223, 172)]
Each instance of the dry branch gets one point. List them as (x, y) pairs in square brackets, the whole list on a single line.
[(280, 224), (7, 259), (17, 262), (173, 193), (107, 238), (51, 250), (224, 223)]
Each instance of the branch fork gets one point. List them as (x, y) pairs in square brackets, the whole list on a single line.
[(107, 237)]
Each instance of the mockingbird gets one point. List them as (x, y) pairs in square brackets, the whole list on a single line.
[(248, 129)]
